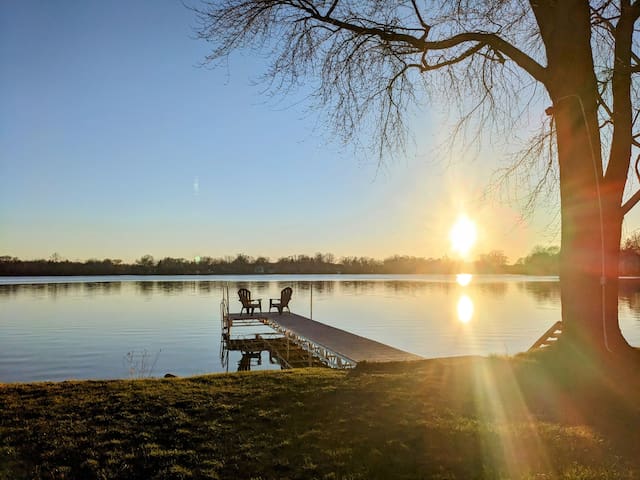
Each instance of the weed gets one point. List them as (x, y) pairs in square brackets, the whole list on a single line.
[(139, 363)]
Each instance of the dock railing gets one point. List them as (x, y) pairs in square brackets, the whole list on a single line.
[(224, 310), (327, 356)]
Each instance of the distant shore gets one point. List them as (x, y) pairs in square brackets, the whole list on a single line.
[(540, 262)]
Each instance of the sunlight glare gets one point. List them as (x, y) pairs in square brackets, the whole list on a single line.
[(463, 279), (463, 235), (465, 309)]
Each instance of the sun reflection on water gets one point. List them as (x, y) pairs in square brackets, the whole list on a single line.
[(463, 279), (465, 309)]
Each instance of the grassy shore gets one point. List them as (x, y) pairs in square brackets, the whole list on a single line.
[(528, 417)]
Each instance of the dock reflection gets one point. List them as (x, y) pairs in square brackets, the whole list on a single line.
[(281, 351)]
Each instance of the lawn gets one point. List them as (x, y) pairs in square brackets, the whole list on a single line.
[(530, 417)]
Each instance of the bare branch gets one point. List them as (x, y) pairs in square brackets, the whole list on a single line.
[(629, 204), (369, 62), (619, 156), (524, 61), (332, 8), (425, 67), (424, 24), (391, 34)]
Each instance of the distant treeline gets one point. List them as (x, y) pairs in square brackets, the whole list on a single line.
[(541, 261)]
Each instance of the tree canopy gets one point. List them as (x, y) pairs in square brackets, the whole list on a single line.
[(370, 61)]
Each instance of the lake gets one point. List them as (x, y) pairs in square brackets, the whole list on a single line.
[(58, 328)]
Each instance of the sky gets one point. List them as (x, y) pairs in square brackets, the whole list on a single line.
[(115, 142)]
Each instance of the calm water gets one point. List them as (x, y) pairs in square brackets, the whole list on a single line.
[(84, 327)]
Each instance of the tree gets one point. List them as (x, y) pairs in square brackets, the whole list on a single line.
[(630, 255), (541, 261), (632, 243), (146, 261), (492, 262), (370, 60)]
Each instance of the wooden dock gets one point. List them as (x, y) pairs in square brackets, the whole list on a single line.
[(549, 337), (342, 348)]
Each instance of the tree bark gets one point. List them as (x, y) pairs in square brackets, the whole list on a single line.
[(590, 206)]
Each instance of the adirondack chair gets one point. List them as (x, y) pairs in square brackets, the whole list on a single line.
[(247, 303), (283, 301)]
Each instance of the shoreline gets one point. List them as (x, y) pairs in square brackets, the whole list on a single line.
[(440, 418)]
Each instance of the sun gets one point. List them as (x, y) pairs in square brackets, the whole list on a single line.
[(463, 235)]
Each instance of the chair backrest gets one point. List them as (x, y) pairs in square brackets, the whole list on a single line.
[(285, 296), (245, 297)]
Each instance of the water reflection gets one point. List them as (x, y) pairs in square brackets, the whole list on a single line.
[(81, 328), (281, 352), (94, 288), (465, 309), (543, 292), (177, 286), (629, 295), (60, 289), (494, 289)]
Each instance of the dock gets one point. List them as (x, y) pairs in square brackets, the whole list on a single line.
[(282, 351), (549, 337), (335, 347)]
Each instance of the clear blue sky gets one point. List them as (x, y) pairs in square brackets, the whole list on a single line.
[(115, 143)]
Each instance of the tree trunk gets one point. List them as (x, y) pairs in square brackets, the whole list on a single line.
[(589, 263), (590, 207)]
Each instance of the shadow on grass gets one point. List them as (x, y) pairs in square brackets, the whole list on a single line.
[(534, 416)]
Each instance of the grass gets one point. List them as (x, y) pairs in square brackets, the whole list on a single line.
[(495, 418)]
